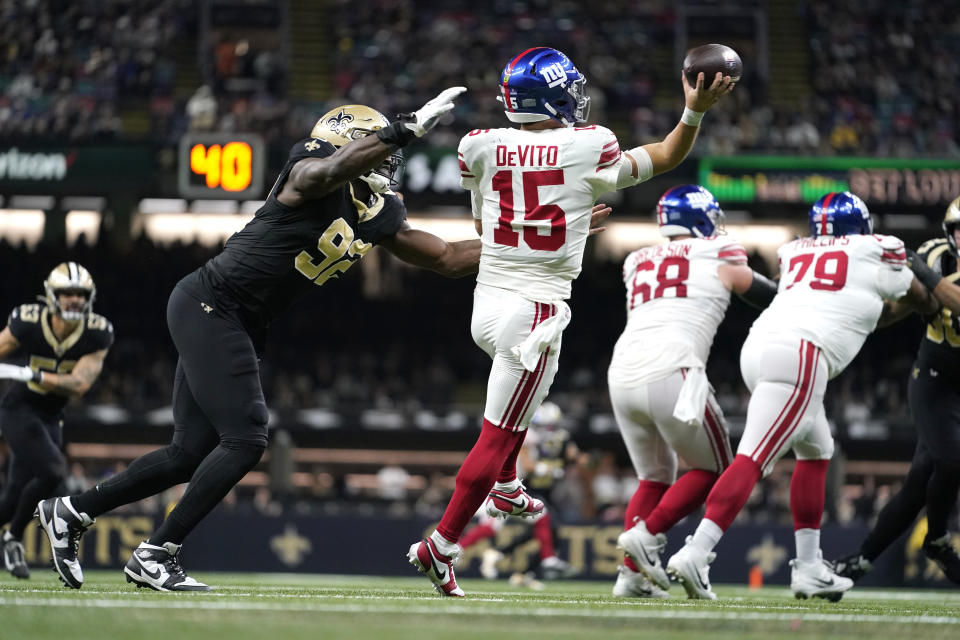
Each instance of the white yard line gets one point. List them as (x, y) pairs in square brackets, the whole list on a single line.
[(208, 604)]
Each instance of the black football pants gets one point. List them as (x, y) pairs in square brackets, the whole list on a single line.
[(220, 422), (36, 468)]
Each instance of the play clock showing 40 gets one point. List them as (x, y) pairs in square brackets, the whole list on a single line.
[(221, 165)]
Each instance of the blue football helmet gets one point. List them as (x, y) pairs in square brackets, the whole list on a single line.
[(840, 213), (689, 209), (542, 83)]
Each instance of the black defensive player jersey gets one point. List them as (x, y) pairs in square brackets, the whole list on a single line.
[(940, 349), (549, 452), (30, 325), (286, 252)]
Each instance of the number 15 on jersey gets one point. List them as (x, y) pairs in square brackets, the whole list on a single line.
[(531, 181)]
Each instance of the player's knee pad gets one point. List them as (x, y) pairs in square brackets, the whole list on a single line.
[(247, 450)]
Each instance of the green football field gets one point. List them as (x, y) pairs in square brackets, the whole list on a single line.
[(287, 607)]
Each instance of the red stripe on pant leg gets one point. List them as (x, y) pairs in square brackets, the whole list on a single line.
[(803, 410), (526, 374), (713, 444), (529, 391), (709, 426), (786, 407), (796, 411), (538, 378), (723, 442)]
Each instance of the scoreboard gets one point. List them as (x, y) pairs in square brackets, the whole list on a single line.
[(221, 165)]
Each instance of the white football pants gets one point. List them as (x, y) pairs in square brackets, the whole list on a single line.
[(501, 320), (787, 378), (654, 437)]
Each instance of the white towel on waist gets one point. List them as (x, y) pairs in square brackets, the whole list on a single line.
[(546, 334), (692, 399)]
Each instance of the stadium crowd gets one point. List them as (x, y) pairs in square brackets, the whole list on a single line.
[(870, 96)]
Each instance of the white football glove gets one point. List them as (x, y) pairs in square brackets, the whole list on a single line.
[(13, 372), (427, 116)]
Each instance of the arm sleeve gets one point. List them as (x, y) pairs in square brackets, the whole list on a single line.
[(761, 292), (644, 168)]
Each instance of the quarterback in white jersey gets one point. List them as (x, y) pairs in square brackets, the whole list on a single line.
[(677, 294), (831, 295), (532, 190)]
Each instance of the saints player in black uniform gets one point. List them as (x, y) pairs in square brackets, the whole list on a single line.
[(330, 205), (934, 475), (63, 344)]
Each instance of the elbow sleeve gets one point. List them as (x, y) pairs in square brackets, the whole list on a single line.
[(644, 168), (760, 293)]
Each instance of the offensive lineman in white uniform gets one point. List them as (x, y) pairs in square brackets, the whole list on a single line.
[(677, 295), (532, 190), (831, 295)]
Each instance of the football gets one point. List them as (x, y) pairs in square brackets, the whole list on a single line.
[(711, 58)]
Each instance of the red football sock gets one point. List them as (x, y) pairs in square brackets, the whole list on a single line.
[(476, 477), (807, 488), (683, 497), (509, 471), (477, 533), (644, 500), (544, 534), (732, 490)]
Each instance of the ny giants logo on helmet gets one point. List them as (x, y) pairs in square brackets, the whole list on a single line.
[(554, 74), (700, 200)]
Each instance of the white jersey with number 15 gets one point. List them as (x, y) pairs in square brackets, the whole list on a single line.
[(832, 290), (534, 192)]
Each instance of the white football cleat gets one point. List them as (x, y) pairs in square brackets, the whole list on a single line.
[(633, 584), (518, 503), (691, 568), (644, 549), (817, 580), (425, 556), (64, 525), (158, 568)]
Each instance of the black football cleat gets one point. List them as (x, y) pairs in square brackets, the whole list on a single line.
[(14, 558), (945, 557), (64, 525), (854, 566), (158, 568)]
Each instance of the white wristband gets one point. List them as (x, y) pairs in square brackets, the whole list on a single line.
[(691, 117)]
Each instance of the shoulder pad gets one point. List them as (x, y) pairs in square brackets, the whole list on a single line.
[(732, 252), (27, 313), (311, 148), (893, 252), (97, 322), (930, 246)]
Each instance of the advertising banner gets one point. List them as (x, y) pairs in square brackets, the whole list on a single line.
[(75, 170), (786, 179), (245, 540)]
